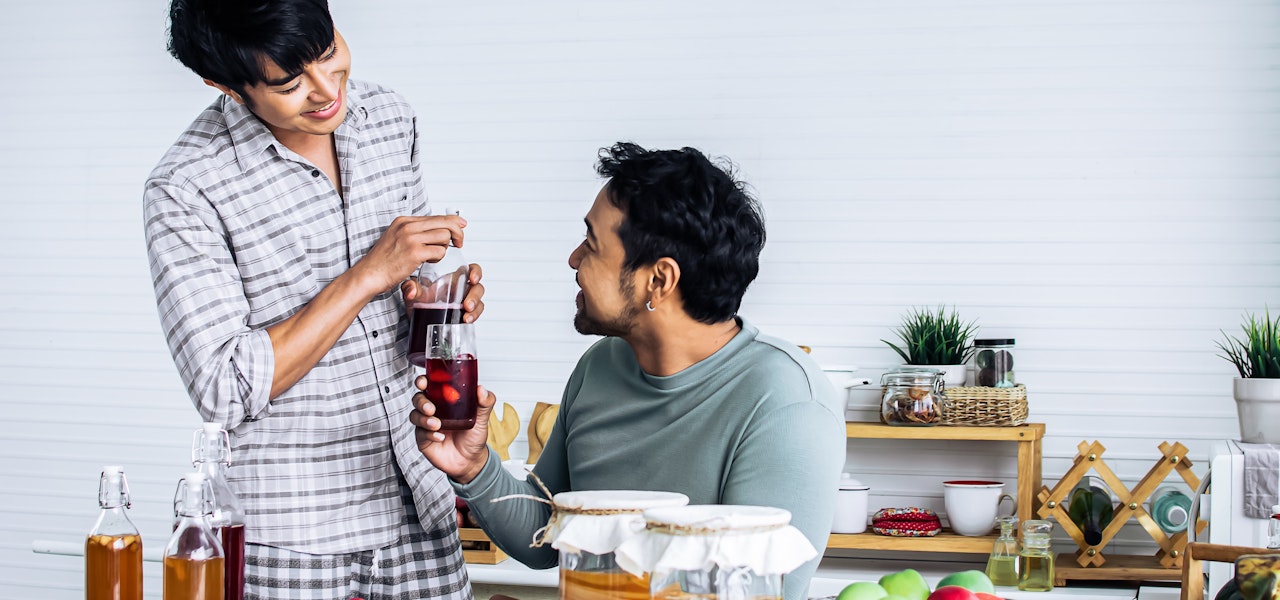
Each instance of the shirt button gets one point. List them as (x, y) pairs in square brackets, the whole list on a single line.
[(315, 172), (375, 334), (386, 388)]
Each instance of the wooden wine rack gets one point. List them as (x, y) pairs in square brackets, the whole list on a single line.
[(1091, 558)]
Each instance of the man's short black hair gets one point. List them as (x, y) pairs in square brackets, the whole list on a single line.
[(229, 41), (679, 204)]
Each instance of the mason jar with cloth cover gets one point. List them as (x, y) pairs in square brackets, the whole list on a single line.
[(723, 552), (586, 527)]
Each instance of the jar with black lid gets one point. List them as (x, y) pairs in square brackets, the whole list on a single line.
[(993, 363)]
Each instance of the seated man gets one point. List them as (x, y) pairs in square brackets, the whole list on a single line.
[(682, 394)]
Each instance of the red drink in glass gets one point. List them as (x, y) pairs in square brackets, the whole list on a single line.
[(233, 548), (451, 387), (422, 315)]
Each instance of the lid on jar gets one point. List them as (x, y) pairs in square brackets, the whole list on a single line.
[(912, 376), (993, 342), (698, 538), (847, 482), (596, 521)]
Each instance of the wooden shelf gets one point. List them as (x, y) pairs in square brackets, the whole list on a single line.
[(1028, 436), (946, 541)]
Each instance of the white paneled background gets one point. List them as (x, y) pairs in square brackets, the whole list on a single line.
[(1097, 178)]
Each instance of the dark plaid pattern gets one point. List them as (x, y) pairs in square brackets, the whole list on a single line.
[(424, 564)]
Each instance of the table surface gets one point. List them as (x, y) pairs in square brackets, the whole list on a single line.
[(835, 573)]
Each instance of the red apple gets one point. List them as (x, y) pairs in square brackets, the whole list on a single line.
[(986, 596), (952, 592)]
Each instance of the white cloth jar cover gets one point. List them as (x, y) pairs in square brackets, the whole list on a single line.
[(697, 538), (597, 521)]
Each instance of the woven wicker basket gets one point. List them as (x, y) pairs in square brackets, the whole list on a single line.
[(985, 406)]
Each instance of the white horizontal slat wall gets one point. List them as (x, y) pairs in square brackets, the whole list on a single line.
[(1096, 178)]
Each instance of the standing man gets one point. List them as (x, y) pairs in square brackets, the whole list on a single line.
[(278, 228), (683, 394)]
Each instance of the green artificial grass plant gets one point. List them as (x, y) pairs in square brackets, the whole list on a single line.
[(1257, 354), (934, 338)]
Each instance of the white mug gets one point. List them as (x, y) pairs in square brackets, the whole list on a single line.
[(972, 506)]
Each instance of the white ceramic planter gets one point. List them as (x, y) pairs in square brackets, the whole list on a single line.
[(953, 375), (1258, 406)]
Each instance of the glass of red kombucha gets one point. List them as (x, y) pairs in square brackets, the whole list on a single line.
[(442, 286), (452, 372)]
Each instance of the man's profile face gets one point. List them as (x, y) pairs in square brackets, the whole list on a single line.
[(607, 304), (312, 103)]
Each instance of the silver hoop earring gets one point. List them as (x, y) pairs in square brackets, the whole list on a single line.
[(649, 305)]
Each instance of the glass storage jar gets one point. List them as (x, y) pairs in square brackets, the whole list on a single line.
[(716, 552), (993, 363), (587, 526), (912, 397)]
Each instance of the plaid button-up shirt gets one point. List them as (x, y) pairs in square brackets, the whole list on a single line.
[(241, 233)]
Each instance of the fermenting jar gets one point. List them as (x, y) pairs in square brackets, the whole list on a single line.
[(1035, 561), (716, 552), (912, 397), (113, 549), (587, 526)]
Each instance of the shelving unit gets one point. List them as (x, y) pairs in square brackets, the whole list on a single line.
[(1028, 437)]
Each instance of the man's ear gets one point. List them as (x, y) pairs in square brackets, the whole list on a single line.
[(226, 90), (663, 277)]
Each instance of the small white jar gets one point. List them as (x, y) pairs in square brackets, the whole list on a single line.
[(851, 506)]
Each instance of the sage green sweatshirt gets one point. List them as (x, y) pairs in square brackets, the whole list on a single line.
[(756, 423)]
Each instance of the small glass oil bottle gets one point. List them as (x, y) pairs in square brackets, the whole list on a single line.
[(1002, 565), (1035, 562), (1273, 528)]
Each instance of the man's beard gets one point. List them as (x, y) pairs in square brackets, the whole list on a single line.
[(618, 326)]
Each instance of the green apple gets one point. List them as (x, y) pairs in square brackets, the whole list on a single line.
[(908, 583), (862, 590), (972, 580)]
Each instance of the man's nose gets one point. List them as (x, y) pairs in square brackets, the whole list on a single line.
[(323, 87), (575, 257)]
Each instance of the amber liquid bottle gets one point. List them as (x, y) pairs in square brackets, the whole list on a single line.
[(211, 455), (194, 565), (113, 550)]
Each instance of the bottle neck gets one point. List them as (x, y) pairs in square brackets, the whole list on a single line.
[(113, 521), (212, 468)]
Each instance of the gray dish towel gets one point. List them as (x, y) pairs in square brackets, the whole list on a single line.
[(1261, 479)]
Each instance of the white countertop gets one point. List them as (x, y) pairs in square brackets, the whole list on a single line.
[(833, 574)]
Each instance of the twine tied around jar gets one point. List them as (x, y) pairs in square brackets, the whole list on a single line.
[(558, 512), (700, 529)]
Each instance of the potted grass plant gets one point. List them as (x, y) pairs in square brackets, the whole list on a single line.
[(1256, 356), (936, 339)]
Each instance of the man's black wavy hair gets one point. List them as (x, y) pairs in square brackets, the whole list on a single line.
[(678, 203), (229, 41)]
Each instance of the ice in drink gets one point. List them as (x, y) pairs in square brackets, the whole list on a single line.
[(422, 315), (451, 387)]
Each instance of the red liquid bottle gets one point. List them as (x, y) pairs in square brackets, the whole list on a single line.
[(211, 455), (113, 549), (194, 564)]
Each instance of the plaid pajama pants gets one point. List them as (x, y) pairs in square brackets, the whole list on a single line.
[(424, 564)]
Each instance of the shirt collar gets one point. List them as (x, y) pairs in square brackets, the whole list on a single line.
[(250, 136)]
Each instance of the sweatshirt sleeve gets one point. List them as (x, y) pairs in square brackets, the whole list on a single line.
[(512, 523), (791, 458)]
